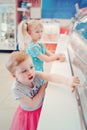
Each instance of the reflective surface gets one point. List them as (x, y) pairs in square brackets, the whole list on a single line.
[(78, 59)]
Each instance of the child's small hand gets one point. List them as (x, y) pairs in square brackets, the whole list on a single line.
[(61, 57), (73, 89), (75, 83)]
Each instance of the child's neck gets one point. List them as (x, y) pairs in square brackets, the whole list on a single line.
[(29, 85), (34, 41)]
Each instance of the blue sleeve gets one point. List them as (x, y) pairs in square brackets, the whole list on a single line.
[(34, 51)]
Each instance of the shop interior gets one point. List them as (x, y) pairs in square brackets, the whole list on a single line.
[(58, 20), (65, 25)]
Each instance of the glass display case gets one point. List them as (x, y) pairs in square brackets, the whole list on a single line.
[(77, 50), (7, 27)]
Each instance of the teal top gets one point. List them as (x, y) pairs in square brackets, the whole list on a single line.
[(34, 50)]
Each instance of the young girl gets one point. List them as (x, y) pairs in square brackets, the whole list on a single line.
[(32, 32), (29, 90)]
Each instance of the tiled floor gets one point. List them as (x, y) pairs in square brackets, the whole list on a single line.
[(7, 101)]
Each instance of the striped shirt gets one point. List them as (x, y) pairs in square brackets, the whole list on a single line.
[(20, 90)]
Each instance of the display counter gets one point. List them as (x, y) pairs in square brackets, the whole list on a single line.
[(77, 51), (60, 107)]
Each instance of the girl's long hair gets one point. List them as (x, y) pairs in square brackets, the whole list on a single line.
[(22, 35)]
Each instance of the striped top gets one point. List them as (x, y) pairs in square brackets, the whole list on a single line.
[(20, 90)]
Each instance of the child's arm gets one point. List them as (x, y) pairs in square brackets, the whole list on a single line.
[(56, 78), (33, 102), (47, 58), (49, 53), (51, 57), (60, 56)]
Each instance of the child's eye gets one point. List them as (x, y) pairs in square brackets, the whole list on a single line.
[(32, 67), (37, 31), (42, 31), (23, 71)]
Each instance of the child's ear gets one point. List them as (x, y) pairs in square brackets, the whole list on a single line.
[(13, 75), (29, 32)]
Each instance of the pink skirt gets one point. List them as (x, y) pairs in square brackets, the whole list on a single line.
[(25, 120)]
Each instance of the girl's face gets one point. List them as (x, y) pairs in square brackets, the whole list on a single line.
[(25, 72), (36, 34)]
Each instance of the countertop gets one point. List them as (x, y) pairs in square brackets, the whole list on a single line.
[(60, 108)]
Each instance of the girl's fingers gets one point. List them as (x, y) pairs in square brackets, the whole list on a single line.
[(76, 82), (73, 89)]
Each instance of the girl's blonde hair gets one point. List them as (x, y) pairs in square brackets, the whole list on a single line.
[(15, 59), (23, 32)]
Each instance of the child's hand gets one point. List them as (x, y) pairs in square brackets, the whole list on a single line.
[(61, 57), (75, 83)]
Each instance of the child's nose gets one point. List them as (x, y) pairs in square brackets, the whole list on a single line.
[(40, 34), (29, 72)]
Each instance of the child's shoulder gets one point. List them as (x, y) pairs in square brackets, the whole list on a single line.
[(37, 75), (17, 85), (37, 78), (32, 45)]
